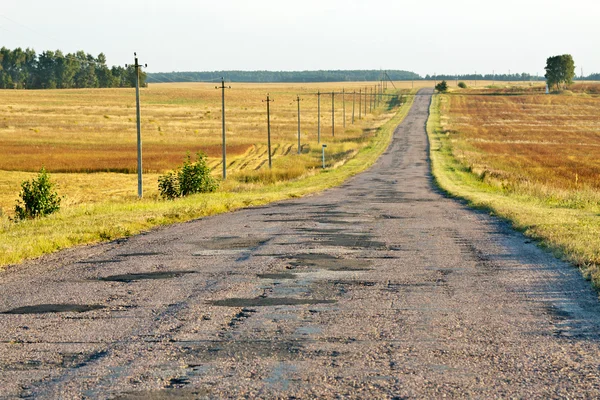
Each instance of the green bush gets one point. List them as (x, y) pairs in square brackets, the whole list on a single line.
[(38, 198), (442, 87), (462, 85), (192, 177)]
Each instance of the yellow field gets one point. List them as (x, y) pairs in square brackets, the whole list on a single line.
[(531, 159), (86, 139), (545, 141)]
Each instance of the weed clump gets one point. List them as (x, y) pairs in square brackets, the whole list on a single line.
[(190, 178), (38, 198)]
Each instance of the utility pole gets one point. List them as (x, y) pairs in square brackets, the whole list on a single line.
[(359, 103), (343, 108), (370, 100), (139, 123), (318, 116), (333, 114), (268, 101), (298, 100), (353, 101), (224, 151)]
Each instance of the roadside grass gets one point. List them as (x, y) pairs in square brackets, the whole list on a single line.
[(107, 220), (559, 215)]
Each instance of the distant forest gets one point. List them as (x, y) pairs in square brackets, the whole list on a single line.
[(522, 77), (283, 76), (24, 69), (333, 76)]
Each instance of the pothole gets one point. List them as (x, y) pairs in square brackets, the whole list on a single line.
[(232, 243), (352, 241), (267, 301), (244, 349), (145, 275), (166, 394), (99, 261), (54, 308), (329, 262), (141, 254), (279, 275)]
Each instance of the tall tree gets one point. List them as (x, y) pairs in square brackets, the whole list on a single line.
[(560, 70), (105, 77)]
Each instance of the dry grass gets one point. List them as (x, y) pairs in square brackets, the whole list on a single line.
[(105, 213), (87, 138), (95, 131), (530, 159), (539, 140)]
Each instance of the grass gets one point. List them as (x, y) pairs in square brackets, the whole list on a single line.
[(528, 159), (102, 206)]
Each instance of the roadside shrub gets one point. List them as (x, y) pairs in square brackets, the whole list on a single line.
[(192, 177), (38, 198), (462, 85), (442, 87)]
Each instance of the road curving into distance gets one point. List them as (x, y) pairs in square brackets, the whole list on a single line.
[(380, 288)]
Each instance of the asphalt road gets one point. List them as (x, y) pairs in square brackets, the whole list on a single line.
[(381, 288)]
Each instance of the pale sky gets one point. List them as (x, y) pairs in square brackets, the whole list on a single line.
[(427, 37)]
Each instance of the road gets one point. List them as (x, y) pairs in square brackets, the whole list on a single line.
[(380, 288)]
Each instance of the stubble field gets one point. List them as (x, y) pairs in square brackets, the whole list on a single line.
[(86, 139), (531, 158)]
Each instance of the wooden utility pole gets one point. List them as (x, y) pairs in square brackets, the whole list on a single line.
[(137, 67), (332, 113), (359, 103), (268, 101), (343, 108), (298, 100), (353, 101), (224, 150), (318, 116)]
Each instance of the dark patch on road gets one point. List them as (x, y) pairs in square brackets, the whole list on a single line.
[(279, 275), (319, 230), (244, 350), (142, 254), (241, 316), (232, 243), (166, 394), (387, 216), (351, 241), (145, 275), (177, 382), (54, 308), (328, 262), (99, 261), (267, 301)]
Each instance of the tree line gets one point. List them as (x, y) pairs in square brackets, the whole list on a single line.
[(285, 76), (24, 69), (504, 77)]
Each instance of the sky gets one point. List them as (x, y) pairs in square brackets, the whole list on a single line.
[(423, 36)]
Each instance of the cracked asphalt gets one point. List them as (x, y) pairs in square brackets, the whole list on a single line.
[(380, 288)]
